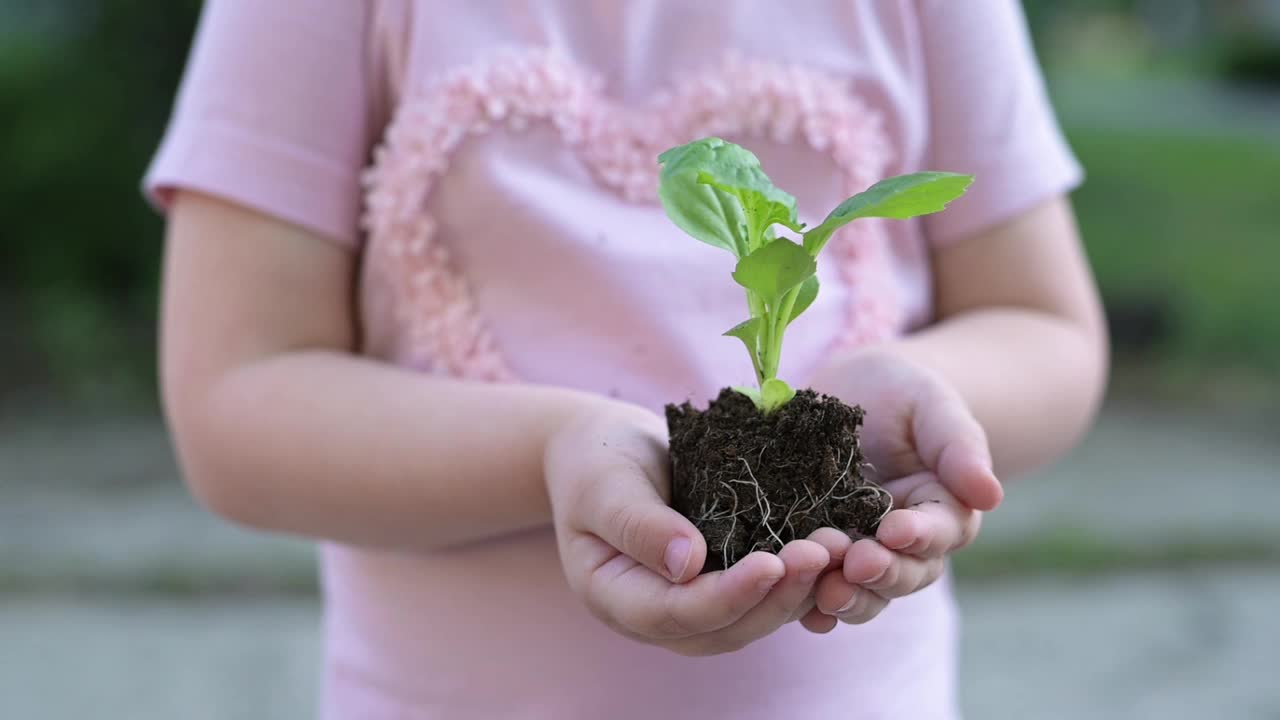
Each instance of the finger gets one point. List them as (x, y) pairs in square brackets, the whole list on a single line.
[(931, 522), (953, 445), (804, 608), (832, 593), (836, 542), (889, 574), (863, 608), (966, 469), (640, 601), (847, 602), (625, 510), (816, 621), (902, 488), (804, 561)]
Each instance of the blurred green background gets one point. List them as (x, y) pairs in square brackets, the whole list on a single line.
[(1158, 531), (85, 88)]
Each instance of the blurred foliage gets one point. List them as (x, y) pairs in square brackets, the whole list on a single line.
[(1230, 40), (1181, 228), (1182, 233), (85, 89), (1250, 57)]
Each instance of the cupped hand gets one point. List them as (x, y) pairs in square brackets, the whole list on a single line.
[(635, 562), (930, 453)]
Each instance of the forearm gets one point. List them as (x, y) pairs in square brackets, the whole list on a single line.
[(1032, 379), (333, 446)]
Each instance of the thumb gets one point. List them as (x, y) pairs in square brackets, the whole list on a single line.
[(626, 511), (964, 468), (954, 446)]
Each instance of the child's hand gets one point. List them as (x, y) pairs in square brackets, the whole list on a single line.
[(634, 561), (931, 454)]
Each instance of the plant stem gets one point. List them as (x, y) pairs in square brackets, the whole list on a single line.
[(777, 326), (757, 309), (770, 360)]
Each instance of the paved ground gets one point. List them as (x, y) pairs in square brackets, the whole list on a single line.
[(119, 598), (1159, 645), (1192, 646), (1148, 477), (157, 659)]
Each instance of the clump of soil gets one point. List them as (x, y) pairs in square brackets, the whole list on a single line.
[(751, 481)]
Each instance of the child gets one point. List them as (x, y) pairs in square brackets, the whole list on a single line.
[(445, 367)]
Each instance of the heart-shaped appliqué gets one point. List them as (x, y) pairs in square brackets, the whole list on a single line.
[(439, 325)]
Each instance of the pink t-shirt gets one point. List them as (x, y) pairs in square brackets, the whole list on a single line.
[(495, 164)]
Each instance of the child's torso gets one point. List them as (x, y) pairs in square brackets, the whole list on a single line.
[(513, 234)]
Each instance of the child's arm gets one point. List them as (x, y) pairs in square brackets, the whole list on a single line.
[(280, 426)]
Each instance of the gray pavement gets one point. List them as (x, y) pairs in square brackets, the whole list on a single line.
[(1147, 477), (158, 659), (1194, 645), (99, 504), (1159, 645)]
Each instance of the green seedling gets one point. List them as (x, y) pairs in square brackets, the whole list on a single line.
[(717, 192)]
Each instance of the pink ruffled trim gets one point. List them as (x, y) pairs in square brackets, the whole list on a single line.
[(444, 331)]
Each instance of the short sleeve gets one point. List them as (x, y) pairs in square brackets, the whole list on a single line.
[(989, 115), (273, 113)]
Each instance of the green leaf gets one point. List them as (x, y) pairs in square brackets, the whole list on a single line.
[(704, 212), (737, 172), (774, 269), (748, 331), (774, 394), (752, 393), (901, 197), (804, 298), (736, 202)]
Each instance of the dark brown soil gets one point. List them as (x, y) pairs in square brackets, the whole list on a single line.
[(754, 482)]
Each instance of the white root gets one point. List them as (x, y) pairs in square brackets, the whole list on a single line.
[(724, 547), (802, 506), (762, 502), (888, 499)]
